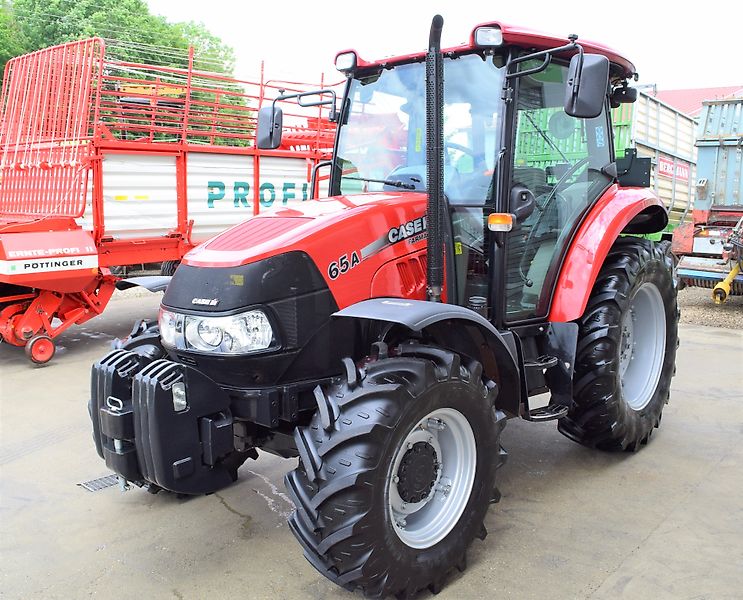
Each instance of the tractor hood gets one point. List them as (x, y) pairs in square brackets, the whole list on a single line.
[(348, 238), (314, 227)]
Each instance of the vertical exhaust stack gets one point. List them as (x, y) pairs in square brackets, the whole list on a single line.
[(435, 160)]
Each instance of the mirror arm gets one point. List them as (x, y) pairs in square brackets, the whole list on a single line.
[(542, 67), (332, 117), (299, 97), (547, 59)]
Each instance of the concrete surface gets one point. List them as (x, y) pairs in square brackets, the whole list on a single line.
[(665, 523)]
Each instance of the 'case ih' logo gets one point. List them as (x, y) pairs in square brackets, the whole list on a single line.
[(412, 229), (205, 301)]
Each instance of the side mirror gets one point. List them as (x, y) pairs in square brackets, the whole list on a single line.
[(522, 202), (270, 121), (588, 82)]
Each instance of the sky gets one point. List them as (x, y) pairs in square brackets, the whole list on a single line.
[(673, 45)]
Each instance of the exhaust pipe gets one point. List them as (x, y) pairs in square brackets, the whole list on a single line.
[(435, 160)]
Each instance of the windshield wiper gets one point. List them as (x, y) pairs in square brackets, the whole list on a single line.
[(544, 135), (392, 182)]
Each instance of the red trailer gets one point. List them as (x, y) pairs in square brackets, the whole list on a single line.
[(107, 162)]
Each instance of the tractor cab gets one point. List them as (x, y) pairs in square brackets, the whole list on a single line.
[(515, 141)]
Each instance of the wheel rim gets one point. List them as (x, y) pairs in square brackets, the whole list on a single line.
[(42, 349), (431, 478), (642, 346)]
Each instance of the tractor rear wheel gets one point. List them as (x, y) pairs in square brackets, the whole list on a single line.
[(397, 470), (626, 351)]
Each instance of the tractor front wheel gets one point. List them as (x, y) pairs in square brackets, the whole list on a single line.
[(396, 472), (626, 349)]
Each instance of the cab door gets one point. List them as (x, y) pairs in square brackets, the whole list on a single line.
[(559, 158)]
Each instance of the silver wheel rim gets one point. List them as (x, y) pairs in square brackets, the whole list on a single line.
[(642, 346), (425, 523)]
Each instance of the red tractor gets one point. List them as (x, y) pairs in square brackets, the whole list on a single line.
[(385, 335)]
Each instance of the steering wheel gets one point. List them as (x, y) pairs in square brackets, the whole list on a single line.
[(460, 147), (473, 185)]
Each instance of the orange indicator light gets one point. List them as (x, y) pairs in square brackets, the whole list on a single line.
[(500, 222)]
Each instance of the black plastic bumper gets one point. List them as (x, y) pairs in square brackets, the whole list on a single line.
[(144, 435)]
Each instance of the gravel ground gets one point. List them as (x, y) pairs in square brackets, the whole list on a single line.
[(698, 308)]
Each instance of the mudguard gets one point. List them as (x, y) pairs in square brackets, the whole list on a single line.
[(456, 328), (619, 210)]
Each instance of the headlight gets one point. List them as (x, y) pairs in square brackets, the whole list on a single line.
[(236, 334), (168, 327)]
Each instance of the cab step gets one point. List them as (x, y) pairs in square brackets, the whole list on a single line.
[(541, 363), (547, 413)]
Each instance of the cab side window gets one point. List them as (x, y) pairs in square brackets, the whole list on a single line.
[(559, 158)]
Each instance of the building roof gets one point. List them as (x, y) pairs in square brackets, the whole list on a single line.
[(690, 101)]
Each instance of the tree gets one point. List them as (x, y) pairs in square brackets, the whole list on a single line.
[(27, 25), (12, 42), (211, 54), (133, 35)]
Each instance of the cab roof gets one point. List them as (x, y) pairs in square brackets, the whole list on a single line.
[(513, 35)]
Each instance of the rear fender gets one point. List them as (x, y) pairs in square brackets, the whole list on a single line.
[(619, 210), (458, 329)]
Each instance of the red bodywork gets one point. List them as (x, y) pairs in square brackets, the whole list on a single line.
[(331, 232), (590, 246)]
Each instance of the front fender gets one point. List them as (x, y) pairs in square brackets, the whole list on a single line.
[(619, 210), (458, 329)]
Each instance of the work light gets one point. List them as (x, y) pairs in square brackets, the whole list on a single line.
[(488, 37), (345, 61)]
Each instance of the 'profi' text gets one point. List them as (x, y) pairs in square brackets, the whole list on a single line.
[(268, 193)]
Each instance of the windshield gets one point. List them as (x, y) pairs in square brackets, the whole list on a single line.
[(382, 146)]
